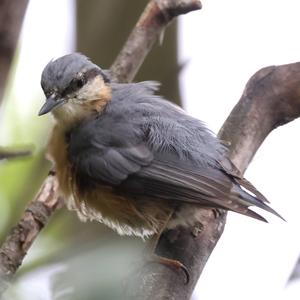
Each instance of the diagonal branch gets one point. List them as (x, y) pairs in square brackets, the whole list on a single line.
[(35, 217), (151, 24), (271, 98), (153, 21)]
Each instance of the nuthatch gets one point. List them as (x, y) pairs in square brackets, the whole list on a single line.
[(132, 160)]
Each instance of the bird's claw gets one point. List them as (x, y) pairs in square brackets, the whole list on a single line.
[(170, 263)]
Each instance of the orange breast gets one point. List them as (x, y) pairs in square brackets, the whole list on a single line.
[(57, 153)]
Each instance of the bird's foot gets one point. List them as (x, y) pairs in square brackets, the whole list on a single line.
[(173, 263)]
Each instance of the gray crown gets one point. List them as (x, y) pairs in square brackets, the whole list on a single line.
[(59, 73)]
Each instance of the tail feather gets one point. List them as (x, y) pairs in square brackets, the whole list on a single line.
[(243, 182), (269, 209), (237, 176), (253, 214), (250, 200)]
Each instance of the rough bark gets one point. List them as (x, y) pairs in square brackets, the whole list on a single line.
[(11, 17), (271, 98), (20, 239)]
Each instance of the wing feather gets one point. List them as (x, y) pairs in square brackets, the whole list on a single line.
[(122, 159)]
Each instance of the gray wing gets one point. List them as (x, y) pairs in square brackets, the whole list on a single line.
[(205, 186), (120, 157)]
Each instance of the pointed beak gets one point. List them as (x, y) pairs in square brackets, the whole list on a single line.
[(51, 103)]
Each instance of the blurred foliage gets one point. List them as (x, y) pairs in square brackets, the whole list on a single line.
[(101, 269), (19, 178)]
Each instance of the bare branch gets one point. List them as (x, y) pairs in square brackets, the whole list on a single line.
[(9, 154), (11, 18), (35, 217), (153, 21), (271, 98)]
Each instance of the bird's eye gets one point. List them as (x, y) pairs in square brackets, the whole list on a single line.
[(80, 82), (48, 93), (76, 84)]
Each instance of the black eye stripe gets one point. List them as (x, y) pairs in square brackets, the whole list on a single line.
[(75, 85), (79, 82), (71, 88)]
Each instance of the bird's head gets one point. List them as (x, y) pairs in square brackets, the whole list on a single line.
[(75, 88)]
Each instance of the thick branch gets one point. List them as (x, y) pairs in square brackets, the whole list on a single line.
[(271, 98), (153, 21), (11, 18), (35, 217)]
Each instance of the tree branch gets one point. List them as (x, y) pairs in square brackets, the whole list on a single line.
[(35, 217), (152, 23), (154, 19), (9, 154), (271, 98)]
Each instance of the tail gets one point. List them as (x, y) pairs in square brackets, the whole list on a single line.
[(247, 193), (248, 200)]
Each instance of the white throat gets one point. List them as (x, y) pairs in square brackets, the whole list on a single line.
[(86, 102)]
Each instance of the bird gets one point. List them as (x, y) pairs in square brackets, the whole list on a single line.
[(128, 158)]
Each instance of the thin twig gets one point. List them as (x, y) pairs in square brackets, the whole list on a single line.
[(9, 154)]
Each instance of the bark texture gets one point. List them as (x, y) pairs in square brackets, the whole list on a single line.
[(35, 217)]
